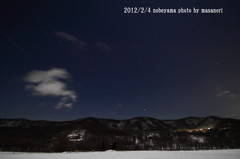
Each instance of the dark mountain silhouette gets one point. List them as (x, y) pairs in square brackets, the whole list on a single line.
[(141, 133)]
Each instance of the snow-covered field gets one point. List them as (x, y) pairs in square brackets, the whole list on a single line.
[(216, 154)]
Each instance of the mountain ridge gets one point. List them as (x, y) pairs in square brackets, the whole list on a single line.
[(139, 133)]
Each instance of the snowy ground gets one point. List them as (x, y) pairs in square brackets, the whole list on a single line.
[(216, 154)]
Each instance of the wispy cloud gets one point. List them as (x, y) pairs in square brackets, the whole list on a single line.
[(71, 38), (50, 83), (224, 93), (102, 46), (80, 44)]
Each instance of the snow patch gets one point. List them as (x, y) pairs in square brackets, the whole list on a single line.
[(110, 151), (77, 135), (199, 139)]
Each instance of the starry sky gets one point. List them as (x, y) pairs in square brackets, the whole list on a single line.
[(70, 59)]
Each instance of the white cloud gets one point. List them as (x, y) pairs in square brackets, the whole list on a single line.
[(49, 83)]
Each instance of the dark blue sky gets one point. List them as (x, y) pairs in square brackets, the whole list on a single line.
[(69, 59)]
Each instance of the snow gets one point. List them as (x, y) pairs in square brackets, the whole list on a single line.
[(149, 135), (77, 135), (213, 154), (136, 141), (120, 125), (199, 139)]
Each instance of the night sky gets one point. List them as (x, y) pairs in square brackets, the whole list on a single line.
[(70, 59)]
